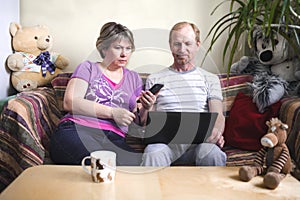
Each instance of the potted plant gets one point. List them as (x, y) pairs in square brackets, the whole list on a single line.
[(244, 16)]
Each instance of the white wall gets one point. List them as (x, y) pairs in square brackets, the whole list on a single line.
[(75, 25), (9, 11)]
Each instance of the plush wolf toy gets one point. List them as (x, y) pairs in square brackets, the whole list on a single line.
[(275, 70)]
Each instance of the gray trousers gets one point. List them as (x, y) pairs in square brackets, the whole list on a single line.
[(205, 154)]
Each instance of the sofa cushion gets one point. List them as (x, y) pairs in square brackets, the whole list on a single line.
[(239, 157), (246, 125), (231, 85)]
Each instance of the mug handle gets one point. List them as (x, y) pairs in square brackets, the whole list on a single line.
[(84, 166)]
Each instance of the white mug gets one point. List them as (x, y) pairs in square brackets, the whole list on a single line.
[(103, 166)]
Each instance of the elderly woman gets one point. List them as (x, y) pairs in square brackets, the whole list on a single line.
[(101, 102)]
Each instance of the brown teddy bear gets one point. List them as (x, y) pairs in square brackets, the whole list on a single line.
[(32, 63), (273, 160)]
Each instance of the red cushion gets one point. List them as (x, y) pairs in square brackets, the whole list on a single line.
[(245, 125)]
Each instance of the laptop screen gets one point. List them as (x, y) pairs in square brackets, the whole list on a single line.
[(179, 127)]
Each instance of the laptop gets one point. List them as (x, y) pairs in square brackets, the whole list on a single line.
[(179, 127)]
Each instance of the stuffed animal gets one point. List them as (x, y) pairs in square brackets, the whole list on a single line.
[(290, 71), (33, 64), (249, 65), (267, 54), (270, 86), (267, 89), (273, 160), (272, 70)]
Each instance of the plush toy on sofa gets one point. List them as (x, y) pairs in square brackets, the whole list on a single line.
[(249, 65), (273, 160), (269, 68), (33, 64), (267, 89), (266, 54), (289, 70)]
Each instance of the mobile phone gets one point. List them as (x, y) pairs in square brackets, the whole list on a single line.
[(155, 88)]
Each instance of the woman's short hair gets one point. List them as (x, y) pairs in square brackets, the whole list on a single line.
[(109, 33)]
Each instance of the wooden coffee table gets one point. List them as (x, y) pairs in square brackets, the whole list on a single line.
[(71, 183)]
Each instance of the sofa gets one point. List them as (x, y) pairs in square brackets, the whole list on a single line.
[(28, 119)]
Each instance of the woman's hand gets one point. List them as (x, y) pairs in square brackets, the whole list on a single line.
[(122, 116), (147, 99)]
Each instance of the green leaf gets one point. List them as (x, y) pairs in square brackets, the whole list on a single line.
[(245, 16)]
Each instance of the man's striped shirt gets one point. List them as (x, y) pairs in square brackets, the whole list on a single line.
[(185, 91)]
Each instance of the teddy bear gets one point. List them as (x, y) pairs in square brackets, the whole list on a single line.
[(273, 161), (32, 62)]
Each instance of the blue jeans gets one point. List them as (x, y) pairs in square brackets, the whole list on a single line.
[(71, 142)]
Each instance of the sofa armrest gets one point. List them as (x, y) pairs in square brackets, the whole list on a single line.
[(59, 84), (290, 114), (26, 124)]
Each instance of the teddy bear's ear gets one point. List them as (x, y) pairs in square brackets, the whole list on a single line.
[(14, 27)]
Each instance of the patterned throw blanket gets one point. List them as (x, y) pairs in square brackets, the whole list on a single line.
[(290, 114), (25, 127)]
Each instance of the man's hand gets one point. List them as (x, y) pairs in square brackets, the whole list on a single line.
[(216, 138)]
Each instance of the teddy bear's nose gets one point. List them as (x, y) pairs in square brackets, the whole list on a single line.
[(47, 40)]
